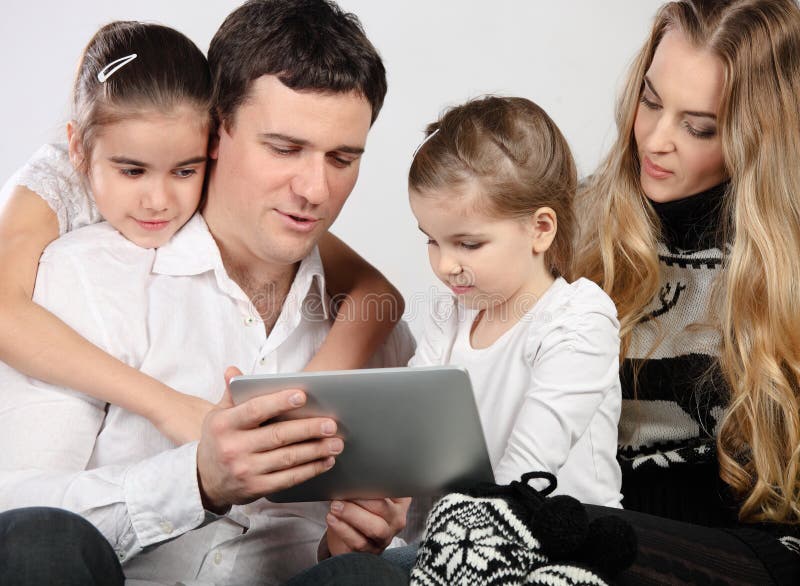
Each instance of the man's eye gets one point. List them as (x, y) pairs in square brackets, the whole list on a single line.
[(282, 150), (431, 242), (471, 245), (185, 172), (132, 172), (340, 162)]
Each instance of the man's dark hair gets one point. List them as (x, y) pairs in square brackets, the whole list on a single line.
[(307, 44)]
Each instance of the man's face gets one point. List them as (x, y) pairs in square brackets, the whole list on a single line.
[(284, 167)]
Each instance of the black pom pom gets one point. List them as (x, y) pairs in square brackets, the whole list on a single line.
[(561, 526), (610, 545)]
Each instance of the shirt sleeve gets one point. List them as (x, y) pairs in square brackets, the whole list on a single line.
[(574, 367), (439, 324), (49, 434), (50, 175)]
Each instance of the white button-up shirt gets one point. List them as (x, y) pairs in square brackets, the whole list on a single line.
[(174, 314)]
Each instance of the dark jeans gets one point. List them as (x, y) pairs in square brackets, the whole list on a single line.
[(51, 546), (358, 569)]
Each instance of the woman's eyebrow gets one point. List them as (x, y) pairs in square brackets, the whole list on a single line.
[(696, 113)]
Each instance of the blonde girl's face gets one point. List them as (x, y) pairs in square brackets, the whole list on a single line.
[(146, 173), (676, 127), (485, 261)]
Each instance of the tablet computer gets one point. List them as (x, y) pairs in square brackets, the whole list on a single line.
[(406, 431)]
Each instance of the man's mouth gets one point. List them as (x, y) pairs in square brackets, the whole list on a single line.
[(298, 221)]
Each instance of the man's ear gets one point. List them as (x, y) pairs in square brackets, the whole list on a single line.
[(75, 145), (213, 145), (213, 141), (543, 225)]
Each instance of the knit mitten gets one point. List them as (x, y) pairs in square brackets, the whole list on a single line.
[(497, 535), (564, 575)]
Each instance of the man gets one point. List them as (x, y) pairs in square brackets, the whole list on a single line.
[(297, 87)]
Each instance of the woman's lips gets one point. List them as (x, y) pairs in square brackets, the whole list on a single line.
[(653, 170)]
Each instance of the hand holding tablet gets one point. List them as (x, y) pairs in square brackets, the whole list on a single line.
[(407, 431)]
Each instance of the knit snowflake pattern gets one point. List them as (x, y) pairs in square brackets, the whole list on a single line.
[(564, 575), (475, 541)]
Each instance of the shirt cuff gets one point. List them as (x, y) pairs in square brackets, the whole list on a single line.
[(163, 497)]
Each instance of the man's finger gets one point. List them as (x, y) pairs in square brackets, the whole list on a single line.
[(372, 526), (255, 411), (285, 433), (296, 455), (283, 479), (351, 537)]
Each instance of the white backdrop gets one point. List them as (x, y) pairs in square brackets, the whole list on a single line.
[(569, 56)]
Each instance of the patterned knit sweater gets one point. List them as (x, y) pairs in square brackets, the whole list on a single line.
[(667, 436)]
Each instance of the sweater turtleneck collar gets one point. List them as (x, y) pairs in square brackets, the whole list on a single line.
[(694, 222)]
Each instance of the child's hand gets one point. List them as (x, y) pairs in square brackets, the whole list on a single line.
[(365, 525), (182, 418)]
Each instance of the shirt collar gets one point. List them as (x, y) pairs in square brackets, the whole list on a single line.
[(307, 293), (193, 251)]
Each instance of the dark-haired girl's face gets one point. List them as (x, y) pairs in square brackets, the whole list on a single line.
[(676, 127), (146, 173)]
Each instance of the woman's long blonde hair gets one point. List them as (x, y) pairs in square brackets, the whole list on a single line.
[(758, 297)]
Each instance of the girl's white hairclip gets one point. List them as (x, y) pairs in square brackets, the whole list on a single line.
[(422, 144), (113, 67)]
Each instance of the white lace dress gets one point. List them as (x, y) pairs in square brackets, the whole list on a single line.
[(50, 174)]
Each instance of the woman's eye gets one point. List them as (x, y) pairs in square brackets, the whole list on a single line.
[(700, 132), (183, 173), (649, 103), (471, 245), (132, 172), (431, 242)]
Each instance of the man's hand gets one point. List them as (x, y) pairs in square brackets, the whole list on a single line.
[(239, 460), (365, 525)]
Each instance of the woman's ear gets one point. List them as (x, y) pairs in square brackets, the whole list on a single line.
[(543, 225), (75, 145)]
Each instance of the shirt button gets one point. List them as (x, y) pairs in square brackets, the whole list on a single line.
[(263, 361), (121, 555), (218, 558), (166, 527), (249, 320)]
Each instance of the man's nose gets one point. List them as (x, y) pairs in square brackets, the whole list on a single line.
[(311, 181)]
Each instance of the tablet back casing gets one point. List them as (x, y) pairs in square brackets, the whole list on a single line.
[(407, 431)]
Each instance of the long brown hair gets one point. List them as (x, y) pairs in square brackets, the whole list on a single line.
[(168, 71), (758, 44)]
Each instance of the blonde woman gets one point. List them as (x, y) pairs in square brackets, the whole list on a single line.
[(692, 226)]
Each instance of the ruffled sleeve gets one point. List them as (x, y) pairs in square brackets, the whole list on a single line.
[(49, 174)]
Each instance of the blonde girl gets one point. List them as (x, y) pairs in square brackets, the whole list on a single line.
[(492, 189)]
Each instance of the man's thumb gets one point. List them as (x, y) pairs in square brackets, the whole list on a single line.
[(227, 400)]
